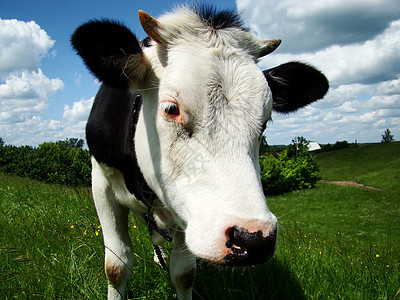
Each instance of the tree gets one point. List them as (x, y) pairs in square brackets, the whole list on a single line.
[(71, 143), (298, 146), (264, 147), (1, 142), (387, 137)]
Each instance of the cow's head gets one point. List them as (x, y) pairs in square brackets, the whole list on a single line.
[(205, 106)]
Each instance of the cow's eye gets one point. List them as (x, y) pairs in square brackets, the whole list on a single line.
[(172, 111), (170, 108)]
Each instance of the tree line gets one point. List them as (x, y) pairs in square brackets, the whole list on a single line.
[(62, 162), (66, 162)]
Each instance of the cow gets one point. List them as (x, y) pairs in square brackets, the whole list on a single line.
[(174, 135)]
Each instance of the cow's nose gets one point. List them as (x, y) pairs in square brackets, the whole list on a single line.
[(249, 248)]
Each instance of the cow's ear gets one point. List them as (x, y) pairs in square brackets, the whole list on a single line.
[(295, 85), (110, 51)]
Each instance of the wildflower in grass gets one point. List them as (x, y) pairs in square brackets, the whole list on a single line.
[(377, 255), (99, 227), (96, 233), (72, 227), (134, 226)]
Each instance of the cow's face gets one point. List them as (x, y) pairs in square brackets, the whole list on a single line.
[(205, 105), (197, 144)]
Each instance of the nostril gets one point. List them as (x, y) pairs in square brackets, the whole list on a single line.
[(234, 242), (249, 248), (229, 244)]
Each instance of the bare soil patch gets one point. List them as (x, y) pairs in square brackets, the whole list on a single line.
[(350, 183)]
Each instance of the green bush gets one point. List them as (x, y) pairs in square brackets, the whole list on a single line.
[(283, 174), (63, 162)]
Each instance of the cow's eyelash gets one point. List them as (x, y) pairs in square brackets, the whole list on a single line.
[(170, 108)]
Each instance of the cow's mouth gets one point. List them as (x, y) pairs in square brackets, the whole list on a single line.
[(249, 248)]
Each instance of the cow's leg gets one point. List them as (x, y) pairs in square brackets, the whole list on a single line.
[(182, 267), (114, 222)]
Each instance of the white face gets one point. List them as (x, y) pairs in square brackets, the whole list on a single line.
[(197, 143)]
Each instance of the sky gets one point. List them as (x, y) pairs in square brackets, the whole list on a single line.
[(46, 92)]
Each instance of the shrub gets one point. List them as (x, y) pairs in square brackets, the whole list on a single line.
[(63, 162), (283, 174)]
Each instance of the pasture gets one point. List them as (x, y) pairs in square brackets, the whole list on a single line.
[(335, 242)]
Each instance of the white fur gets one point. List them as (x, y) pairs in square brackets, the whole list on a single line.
[(210, 181)]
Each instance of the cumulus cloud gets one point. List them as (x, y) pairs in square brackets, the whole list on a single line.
[(355, 43), (32, 131), (24, 88), (357, 46), (25, 95), (79, 111), (369, 62), (23, 45), (314, 25)]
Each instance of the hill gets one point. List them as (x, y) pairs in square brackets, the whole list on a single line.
[(376, 165)]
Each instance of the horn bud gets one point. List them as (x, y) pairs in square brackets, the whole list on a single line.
[(269, 46), (151, 26)]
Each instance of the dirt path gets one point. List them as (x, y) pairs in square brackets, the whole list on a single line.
[(350, 183)]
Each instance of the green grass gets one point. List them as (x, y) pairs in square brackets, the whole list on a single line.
[(52, 246), (334, 242), (374, 165)]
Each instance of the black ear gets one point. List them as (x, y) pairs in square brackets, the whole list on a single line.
[(109, 49), (295, 85)]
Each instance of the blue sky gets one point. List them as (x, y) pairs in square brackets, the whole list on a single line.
[(60, 18), (46, 92)]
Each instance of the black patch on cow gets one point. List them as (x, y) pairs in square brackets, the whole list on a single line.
[(219, 19), (110, 133), (102, 44), (295, 85)]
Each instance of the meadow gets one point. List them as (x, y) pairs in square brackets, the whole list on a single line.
[(335, 242)]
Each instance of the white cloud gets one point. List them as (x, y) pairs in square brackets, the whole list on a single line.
[(389, 87), (22, 46), (384, 102), (369, 62), (349, 107), (24, 88), (77, 79), (356, 44), (25, 95), (313, 25), (32, 131), (79, 112)]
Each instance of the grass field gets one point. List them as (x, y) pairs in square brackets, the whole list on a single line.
[(334, 242)]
